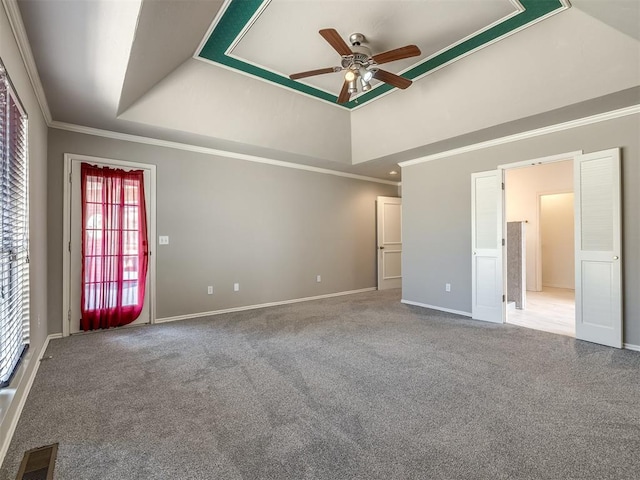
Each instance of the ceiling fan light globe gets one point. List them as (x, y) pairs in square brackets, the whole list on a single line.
[(350, 76), (353, 88), (366, 86), (366, 75)]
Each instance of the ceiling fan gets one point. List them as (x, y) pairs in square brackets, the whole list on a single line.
[(359, 63)]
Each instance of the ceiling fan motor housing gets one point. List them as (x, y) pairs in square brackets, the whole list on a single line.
[(361, 56), (361, 53)]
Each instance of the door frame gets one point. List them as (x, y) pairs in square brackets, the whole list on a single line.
[(502, 174), (66, 230)]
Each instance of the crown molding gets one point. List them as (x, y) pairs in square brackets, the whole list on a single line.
[(559, 127), (210, 151), (20, 34)]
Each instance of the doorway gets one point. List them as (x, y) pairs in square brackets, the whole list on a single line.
[(72, 254), (539, 199), (598, 244), (389, 240)]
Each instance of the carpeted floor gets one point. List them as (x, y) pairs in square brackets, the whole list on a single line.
[(354, 387)]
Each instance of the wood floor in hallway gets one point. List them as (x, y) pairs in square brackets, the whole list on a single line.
[(551, 310)]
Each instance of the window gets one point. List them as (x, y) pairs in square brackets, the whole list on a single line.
[(14, 237)]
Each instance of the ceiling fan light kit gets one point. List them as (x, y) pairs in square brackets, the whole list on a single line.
[(360, 64)]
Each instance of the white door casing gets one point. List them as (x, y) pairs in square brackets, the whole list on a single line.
[(389, 238), (73, 239), (486, 243), (598, 248)]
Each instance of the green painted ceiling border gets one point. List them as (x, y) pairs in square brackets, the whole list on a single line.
[(239, 13)]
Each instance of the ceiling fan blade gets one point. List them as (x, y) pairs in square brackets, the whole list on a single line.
[(344, 93), (335, 40), (392, 79), (397, 54), (311, 73)]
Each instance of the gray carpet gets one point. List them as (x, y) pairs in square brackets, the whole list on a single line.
[(355, 387)]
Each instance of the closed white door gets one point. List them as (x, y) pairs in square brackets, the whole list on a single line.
[(75, 246), (598, 248), (486, 243), (389, 213)]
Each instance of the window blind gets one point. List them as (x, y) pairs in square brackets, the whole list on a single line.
[(14, 237)]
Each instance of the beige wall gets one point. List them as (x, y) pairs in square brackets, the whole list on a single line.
[(557, 240), (37, 133), (269, 228), (437, 213), (523, 187)]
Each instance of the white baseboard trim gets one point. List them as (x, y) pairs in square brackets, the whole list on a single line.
[(630, 346), (20, 395), (262, 305), (433, 307)]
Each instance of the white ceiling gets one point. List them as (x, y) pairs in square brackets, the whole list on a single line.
[(127, 66)]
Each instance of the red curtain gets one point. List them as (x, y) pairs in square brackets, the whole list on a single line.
[(114, 246)]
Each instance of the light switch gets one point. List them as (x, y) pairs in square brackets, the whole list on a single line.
[(163, 240)]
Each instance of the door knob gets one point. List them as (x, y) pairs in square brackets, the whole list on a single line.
[(381, 248), (616, 257)]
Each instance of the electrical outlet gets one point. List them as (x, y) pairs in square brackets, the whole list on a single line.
[(318, 278), (447, 287), (210, 290), (236, 287)]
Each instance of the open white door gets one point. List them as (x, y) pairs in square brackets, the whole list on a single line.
[(598, 248), (486, 244), (389, 213)]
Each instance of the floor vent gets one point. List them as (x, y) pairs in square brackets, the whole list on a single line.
[(38, 463)]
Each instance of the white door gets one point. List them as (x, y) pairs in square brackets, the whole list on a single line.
[(75, 287), (598, 248), (486, 243), (389, 212)]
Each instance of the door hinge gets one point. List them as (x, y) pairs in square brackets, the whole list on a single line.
[(69, 246), (69, 177), (503, 298), (69, 316), (503, 242), (502, 185)]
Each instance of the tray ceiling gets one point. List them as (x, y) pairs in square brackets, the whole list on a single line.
[(87, 52), (270, 39)]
